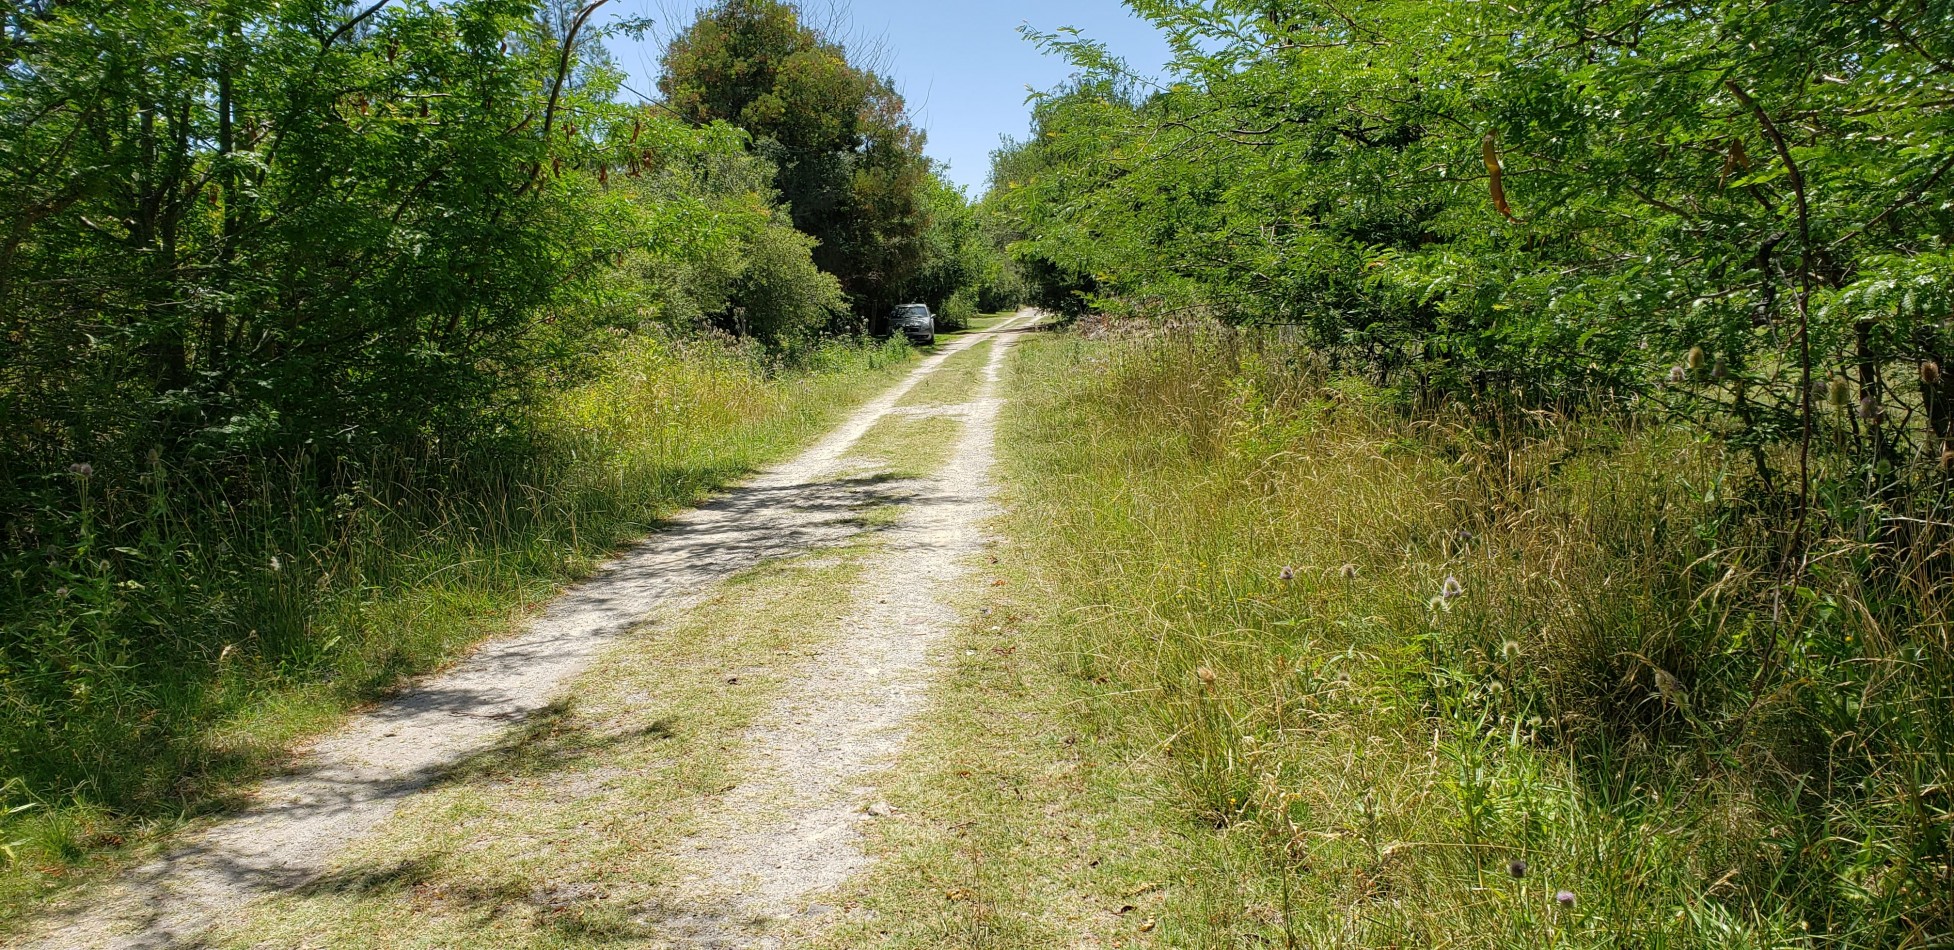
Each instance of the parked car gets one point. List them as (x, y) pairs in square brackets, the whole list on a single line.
[(915, 321)]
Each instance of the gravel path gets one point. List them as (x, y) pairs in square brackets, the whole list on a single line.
[(350, 781), (791, 830)]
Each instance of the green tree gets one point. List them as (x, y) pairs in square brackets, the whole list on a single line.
[(850, 164)]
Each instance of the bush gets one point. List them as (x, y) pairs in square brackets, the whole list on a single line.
[(957, 312), (1403, 648)]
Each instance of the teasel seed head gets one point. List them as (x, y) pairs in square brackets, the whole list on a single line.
[(1839, 394)]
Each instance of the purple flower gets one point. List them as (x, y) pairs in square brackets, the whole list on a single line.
[(83, 469), (1452, 589), (1288, 574), (1565, 899)]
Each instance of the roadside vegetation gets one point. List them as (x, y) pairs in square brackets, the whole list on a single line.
[(1503, 461), (1439, 683), (338, 335)]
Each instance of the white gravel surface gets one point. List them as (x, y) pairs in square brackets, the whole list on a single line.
[(788, 832)]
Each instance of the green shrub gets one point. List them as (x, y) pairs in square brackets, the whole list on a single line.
[(958, 311), (1402, 649)]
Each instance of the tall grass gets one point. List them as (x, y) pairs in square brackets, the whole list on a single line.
[(182, 631), (1473, 680)]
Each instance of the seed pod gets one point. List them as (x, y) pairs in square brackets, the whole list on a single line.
[(1838, 395), (1696, 358), (1930, 373), (1496, 173)]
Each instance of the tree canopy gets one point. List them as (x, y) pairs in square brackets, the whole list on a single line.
[(1735, 212), (850, 165)]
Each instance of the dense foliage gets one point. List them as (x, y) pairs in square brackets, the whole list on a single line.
[(848, 163), (1724, 220), (1563, 198), (289, 289)]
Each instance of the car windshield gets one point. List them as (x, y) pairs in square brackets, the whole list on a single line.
[(912, 312)]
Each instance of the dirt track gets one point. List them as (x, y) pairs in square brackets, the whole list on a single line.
[(838, 722)]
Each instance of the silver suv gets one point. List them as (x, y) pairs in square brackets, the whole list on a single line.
[(914, 321)]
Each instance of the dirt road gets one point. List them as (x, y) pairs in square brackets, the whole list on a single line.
[(787, 831)]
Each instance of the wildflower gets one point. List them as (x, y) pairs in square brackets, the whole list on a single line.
[(1517, 868), (1565, 899), (1696, 357), (1205, 675), (1509, 650), (83, 469), (276, 565), (61, 593), (1678, 376), (1452, 589), (1350, 572), (1288, 574), (1719, 371), (1869, 407)]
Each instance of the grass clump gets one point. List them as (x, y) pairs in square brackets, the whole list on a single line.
[(956, 381), (174, 635), (1475, 681), (908, 447)]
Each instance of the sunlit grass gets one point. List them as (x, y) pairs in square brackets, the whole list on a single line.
[(955, 382), (262, 620), (1251, 563)]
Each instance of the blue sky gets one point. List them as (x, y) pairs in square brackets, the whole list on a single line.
[(962, 67)]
